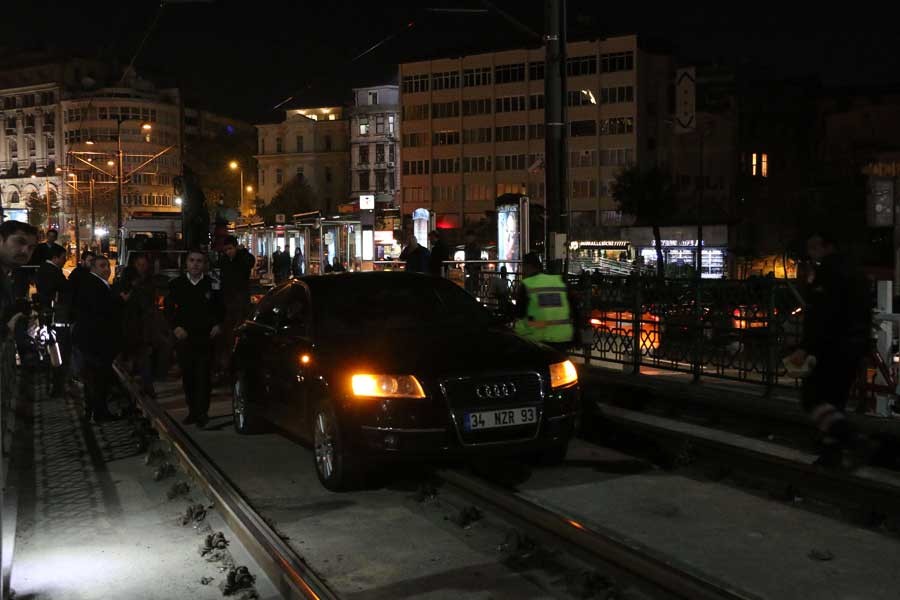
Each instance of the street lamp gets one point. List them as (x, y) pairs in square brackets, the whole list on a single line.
[(235, 166)]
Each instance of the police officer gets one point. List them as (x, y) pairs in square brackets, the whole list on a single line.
[(196, 312), (542, 306)]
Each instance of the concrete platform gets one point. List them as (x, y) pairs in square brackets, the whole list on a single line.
[(605, 383), (93, 525)]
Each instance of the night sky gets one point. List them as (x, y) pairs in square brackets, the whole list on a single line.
[(242, 58)]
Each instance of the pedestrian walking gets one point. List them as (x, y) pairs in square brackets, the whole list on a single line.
[(837, 332), (97, 335), (440, 254), (415, 256), (542, 306), (196, 313)]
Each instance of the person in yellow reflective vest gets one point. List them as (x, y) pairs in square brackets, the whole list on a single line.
[(543, 312)]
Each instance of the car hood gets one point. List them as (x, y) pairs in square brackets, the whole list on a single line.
[(435, 355)]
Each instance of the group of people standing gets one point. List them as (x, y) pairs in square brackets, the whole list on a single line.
[(96, 320)]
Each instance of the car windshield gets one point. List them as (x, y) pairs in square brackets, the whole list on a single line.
[(351, 305)]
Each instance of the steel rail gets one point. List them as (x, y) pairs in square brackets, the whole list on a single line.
[(647, 565), (289, 573)]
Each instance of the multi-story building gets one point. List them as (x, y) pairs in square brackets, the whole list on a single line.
[(61, 121), (473, 128), (148, 123), (375, 143), (312, 143)]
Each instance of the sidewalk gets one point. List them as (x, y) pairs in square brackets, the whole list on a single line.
[(93, 523)]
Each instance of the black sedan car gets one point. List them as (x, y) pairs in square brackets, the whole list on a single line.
[(370, 366)]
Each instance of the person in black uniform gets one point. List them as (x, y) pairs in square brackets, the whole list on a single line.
[(196, 312), (837, 331), (97, 336), (52, 285), (53, 295), (44, 250)]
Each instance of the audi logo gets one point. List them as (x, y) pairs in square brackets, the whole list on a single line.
[(494, 391)]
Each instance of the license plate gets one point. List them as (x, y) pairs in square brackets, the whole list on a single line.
[(508, 417)]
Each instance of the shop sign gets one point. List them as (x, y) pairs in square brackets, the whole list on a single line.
[(599, 244)]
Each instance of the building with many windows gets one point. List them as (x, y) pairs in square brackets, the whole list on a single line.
[(473, 128), (61, 124), (312, 143), (375, 143)]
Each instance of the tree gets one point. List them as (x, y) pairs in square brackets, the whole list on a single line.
[(37, 208), (648, 195), (295, 196)]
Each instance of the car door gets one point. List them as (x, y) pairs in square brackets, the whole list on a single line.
[(254, 339), (290, 344)]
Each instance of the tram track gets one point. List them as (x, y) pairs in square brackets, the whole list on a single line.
[(295, 578), (290, 574)]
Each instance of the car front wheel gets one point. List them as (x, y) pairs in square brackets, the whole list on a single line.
[(336, 469)]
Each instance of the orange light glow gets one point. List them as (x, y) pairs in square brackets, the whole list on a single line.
[(576, 524), (563, 374), (622, 323), (305, 359)]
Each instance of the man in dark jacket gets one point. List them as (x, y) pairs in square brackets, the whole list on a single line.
[(297, 263), (235, 265), (281, 265), (415, 256), (196, 312), (837, 331), (440, 253), (42, 252), (52, 285), (17, 242), (53, 294), (97, 336)]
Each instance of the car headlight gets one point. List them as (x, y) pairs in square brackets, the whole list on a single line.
[(366, 385), (563, 374)]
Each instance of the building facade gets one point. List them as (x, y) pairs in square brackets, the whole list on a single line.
[(312, 143), (473, 128), (60, 139), (149, 124), (375, 143)]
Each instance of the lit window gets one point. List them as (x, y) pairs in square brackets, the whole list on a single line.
[(765, 165), (753, 165), (332, 117)]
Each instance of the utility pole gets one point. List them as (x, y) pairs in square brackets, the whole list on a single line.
[(49, 213), (119, 177), (555, 132), (701, 184), (93, 218)]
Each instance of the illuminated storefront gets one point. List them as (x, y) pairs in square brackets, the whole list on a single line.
[(679, 247)]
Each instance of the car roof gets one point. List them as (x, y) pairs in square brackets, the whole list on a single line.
[(336, 281)]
